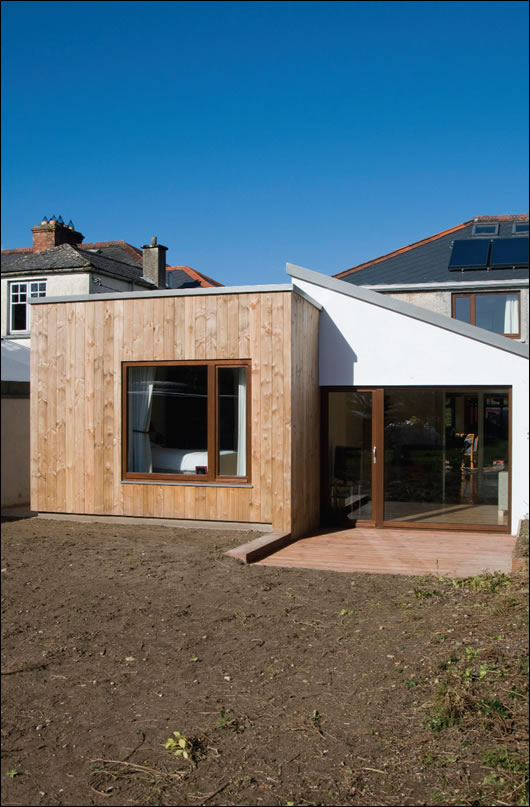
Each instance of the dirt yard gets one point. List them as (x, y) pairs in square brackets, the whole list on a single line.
[(287, 687)]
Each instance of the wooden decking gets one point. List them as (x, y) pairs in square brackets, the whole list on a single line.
[(397, 551)]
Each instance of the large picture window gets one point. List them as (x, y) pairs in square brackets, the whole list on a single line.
[(497, 312), (19, 293), (187, 421)]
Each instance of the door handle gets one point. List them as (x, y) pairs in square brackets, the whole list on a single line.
[(374, 454)]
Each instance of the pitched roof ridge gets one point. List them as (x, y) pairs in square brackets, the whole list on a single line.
[(108, 258), (503, 217), (404, 249), (32, 257), (18, 249)]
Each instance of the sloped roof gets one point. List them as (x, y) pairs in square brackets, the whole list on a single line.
[(68, 258), (426, 261), (184, 277), (407, 309), (118, 250)]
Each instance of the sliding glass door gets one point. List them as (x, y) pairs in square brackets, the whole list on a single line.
[(446, 458), (416, 457), (349, 458)]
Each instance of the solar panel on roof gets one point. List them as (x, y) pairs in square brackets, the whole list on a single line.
[(469, 254), (509, 252)]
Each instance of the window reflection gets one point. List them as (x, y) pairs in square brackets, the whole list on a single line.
[(446, 456)]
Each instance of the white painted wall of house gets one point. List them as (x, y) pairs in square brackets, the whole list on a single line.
[(62, 285), (364, 345), (56, 286)]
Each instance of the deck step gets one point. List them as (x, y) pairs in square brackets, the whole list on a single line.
[(260, 547)]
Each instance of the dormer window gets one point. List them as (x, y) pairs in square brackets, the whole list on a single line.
[(485, 228), (520, 228)]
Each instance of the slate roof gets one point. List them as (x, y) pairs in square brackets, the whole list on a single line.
[(119, 250), (68, 258), (8, 256), (427, 261), (116, 258), (184, 277)]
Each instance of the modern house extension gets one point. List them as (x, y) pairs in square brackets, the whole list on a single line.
[(288, 407)]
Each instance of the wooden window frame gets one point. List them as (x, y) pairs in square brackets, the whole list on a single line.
[(212, 476), (472, 295), (378, 437)]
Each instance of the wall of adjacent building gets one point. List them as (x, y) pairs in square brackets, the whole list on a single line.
[(57, 285), (101, 284), (441, 302)]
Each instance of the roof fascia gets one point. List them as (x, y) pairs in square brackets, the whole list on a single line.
[(138, 295), (407, 309)]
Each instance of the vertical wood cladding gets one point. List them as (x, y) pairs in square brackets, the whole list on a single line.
[(77, 351)]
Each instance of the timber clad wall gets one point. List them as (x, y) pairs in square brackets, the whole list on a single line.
[(305, 417), (76, 403)]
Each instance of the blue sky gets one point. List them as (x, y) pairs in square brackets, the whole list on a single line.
[(248, 134)]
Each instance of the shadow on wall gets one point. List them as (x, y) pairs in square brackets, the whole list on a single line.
[(337, 359)]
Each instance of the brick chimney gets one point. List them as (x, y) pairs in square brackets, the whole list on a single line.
[(53, 233), (154, 263)]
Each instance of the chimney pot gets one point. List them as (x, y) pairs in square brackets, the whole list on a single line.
[(53, 233)]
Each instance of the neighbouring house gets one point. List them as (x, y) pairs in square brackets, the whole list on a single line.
[(59, 264), (476, 272), (283, 407)]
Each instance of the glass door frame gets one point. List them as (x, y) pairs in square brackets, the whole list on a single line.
[(378, 453), (377, 501)]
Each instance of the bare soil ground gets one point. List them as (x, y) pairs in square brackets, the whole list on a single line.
[(290, 687)]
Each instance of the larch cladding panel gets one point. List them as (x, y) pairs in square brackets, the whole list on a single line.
[(76, 403), (305, 417)]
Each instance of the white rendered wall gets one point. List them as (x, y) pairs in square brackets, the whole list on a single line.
[(102, 284), (365, 345), (56, 286)]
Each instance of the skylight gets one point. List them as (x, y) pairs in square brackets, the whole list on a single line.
[(485, 228)]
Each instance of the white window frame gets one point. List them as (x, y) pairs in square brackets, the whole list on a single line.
[(517, 224), (33, 288)]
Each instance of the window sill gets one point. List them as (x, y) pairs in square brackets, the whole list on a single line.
[(185, 484)]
